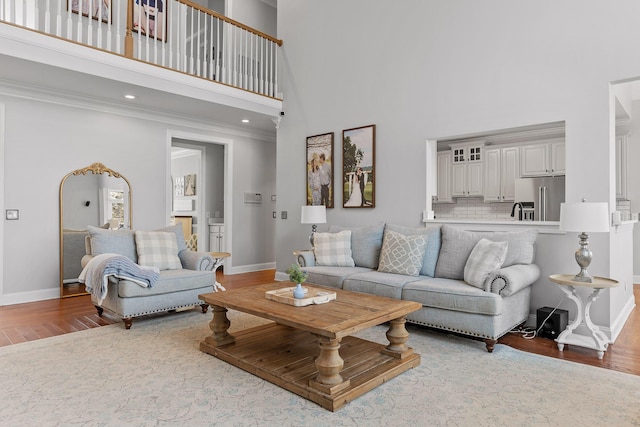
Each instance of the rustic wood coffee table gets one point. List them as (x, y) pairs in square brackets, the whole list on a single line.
[(309, 350)]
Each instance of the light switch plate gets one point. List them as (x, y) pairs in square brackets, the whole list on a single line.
[(12, 214)]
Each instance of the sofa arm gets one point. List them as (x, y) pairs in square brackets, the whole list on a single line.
[(514, 278), (305, 258), (196, 260)]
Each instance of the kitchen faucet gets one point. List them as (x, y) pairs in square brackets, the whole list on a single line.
[(513, 210)]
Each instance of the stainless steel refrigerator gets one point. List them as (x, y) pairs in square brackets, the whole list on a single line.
[(546, 194)]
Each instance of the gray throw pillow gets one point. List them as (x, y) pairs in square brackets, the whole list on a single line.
[(121, 242), (182, 245), (457, 245), (366, 243), (432, 234)]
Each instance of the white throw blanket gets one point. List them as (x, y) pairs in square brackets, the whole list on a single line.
[(95, 275)]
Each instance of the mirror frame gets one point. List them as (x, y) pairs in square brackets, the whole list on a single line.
[(96, 168)]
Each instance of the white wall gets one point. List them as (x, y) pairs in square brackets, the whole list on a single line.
[(46, 140), (254, 13), (427, 69)]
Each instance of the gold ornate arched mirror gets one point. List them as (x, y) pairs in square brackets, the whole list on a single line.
[(97, 196)]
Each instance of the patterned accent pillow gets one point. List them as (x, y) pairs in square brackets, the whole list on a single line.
[(486, 258), (333, 249), (158, 249), (401, 254)]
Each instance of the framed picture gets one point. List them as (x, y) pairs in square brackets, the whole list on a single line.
[(358, 167), (100, 9), (190, 185), (149, 17), (179, 187), (320, 170)]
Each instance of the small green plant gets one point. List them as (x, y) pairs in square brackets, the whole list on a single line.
[(295, 274)]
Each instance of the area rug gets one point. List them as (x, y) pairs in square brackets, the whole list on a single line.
[(154, 375)]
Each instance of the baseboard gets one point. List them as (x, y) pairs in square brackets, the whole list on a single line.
[(636, 279), (31, 296), (620, 320), (281, 276), (249, 268)]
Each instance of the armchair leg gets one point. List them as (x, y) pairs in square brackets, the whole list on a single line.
[(490, 344), (127, 322), (100, 310), (205, 307)]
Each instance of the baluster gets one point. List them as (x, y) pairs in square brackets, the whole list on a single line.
[(69, 22), (275, 70), (198, 47), (90, 25), (58, 31), (217, 51), (211, 48)]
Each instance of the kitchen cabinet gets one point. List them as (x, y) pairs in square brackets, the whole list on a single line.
[(622, 167), (216, 237), (543, 159), (501, 169), (444, 178), (466, 169)]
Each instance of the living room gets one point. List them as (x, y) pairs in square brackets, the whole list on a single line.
[(420, 71)]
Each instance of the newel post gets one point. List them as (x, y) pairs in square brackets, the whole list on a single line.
[(128, 38)]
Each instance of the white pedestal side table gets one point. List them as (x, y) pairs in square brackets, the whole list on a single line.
[(597, 340), (218, 259)]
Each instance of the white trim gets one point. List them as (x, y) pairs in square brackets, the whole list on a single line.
[(31, 296), (618, 323), (2, 172), (228, 182), (250, 268)]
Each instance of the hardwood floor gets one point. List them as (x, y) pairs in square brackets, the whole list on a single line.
[(42, 319)]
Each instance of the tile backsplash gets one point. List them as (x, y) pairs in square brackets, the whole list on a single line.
[(474, 208)]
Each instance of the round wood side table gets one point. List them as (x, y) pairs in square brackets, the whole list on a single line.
[(597, 340)]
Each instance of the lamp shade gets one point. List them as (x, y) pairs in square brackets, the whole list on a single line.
[(314, 214), (588, 217)]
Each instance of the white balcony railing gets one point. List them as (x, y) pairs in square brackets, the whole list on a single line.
[(174, 34)]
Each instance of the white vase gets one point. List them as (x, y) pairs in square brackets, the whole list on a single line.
[(298, 292)]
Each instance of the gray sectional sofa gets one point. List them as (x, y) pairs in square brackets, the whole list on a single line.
[(496, 303)]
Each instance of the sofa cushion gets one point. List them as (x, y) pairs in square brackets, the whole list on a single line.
[(401, 254), (453, 295), (170, 281), (483, 262), (119, 242), (157, 249), (377, 283), (457, 245), (333, 249), (331, 276), (432, 234), (366, 243)]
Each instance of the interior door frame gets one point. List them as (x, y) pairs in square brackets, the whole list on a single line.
[(228, 185)]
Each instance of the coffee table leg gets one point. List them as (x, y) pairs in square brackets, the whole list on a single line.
[(219, 325), (329, 364), (398, 336)]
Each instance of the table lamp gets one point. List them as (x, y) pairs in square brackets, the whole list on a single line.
[(315, 214), (584, 217)]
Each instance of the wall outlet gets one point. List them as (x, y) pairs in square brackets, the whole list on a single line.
[(275, 214), (12, 214), (283, 214)]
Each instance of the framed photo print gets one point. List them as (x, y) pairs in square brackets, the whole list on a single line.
[(150, 18), (358, 167), (320, 170), (100, 9)]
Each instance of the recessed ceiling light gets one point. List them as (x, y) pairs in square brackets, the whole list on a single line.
[(130, 96), (245, 120)]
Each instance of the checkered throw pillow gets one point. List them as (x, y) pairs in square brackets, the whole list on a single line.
[(157, 249), (333, 249)]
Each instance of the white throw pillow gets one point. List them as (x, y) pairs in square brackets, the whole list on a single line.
[(402, 254), (485, 258), (157, 249), (333, 249)]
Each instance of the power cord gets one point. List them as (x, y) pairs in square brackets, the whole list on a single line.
[(530, 333)]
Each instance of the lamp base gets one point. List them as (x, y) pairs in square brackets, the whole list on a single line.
[(583, 277), (583, 258)]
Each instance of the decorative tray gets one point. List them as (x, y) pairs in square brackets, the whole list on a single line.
[(312, 296)]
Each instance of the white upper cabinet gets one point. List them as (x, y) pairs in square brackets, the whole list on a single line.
[(542, 159), (444, 178), (501, 169), (466, 169)]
